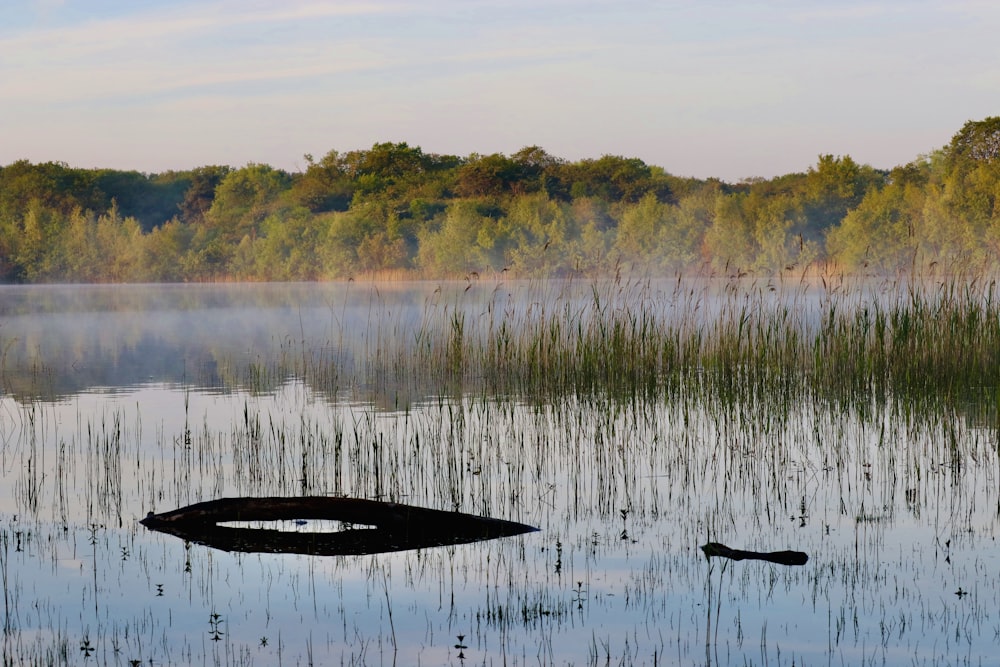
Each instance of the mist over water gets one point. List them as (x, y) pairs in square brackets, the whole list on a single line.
[(127, 399), (58, 341), (125, 336)]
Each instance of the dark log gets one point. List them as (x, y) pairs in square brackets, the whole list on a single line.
[(779, 557), (397, 527)]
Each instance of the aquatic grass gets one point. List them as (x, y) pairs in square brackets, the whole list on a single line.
[(680, 469), (937, 343), (733, 341)]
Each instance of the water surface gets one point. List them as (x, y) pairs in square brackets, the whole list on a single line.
[(122, 400)]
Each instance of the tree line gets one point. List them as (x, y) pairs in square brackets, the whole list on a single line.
[(395, 208)]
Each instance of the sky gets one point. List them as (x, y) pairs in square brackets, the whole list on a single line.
[(704, 88)]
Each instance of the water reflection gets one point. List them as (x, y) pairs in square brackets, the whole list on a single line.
[(896, 509), (61, 341)]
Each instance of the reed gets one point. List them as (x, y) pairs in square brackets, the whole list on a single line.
[(903, 341)]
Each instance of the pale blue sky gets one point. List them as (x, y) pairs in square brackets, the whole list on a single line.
[(708, 88)]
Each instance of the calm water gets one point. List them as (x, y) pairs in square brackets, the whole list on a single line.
[(122, 400)]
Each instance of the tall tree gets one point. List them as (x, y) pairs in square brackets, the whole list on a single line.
[(832, 188), (244, 198), (325, 185), (200, 194), (488, 176), (978, 141), (973, 174)]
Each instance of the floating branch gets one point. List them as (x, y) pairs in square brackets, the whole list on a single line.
[(779, 557), (385, 527)]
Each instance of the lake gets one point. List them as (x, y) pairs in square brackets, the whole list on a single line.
[(121, 400)]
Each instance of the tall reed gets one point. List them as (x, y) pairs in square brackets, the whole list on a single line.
[(910, 341)]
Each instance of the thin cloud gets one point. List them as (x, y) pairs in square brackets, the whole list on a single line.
[(847, 12), (157, 52), (127, 58), (162, 26)]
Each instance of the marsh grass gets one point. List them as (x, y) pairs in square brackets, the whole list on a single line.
[(909, 341), (916, 339)]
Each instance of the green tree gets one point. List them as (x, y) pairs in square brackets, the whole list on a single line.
[(200, 194), (325, 185), (972, 178), (539, 232), (611, 177), (382, 251), (779, 245), (78, 249), (462, 241), (943, 238), (751, 232), (392, 172), (150, 199), (977, 141), (34, 238), (244, 198), (535, 167), (338, 251), (684, 233), (165, 253), (590, 238), (832, 188), (641, 231), (118, 240), (52, 185), (878, 234), (289, 247), (488, 176), (729, 241)]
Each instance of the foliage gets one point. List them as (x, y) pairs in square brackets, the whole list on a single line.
[(395, 207), (462, 239), (978, 141)]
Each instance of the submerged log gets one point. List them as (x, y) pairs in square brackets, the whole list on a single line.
[(382, 526), (779, 557)]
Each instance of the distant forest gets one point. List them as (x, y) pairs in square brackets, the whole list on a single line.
[(394, 210)]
